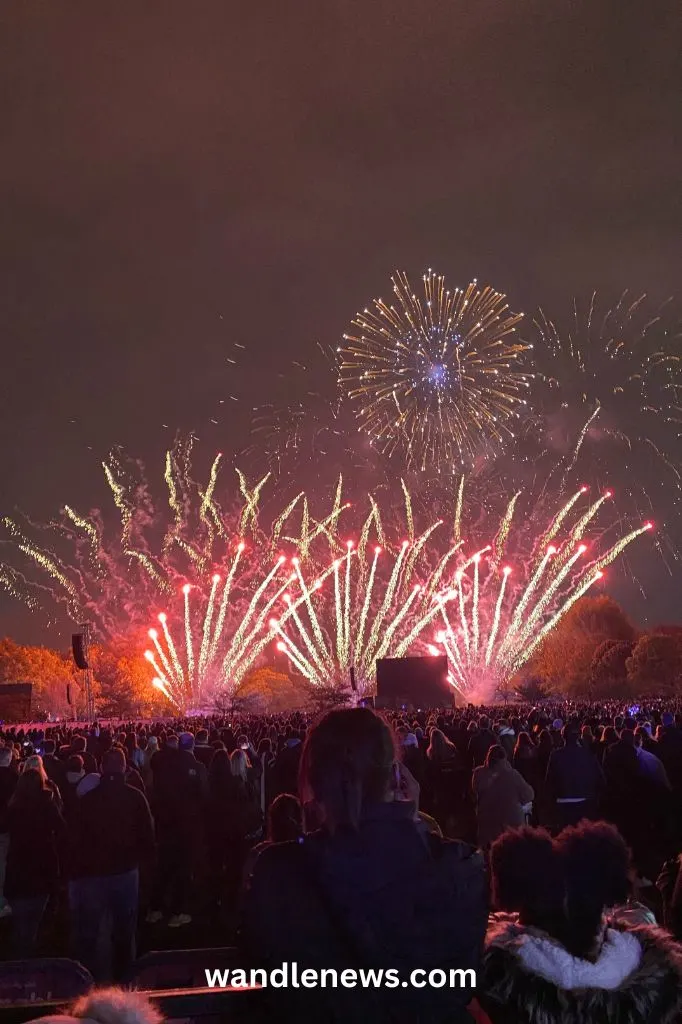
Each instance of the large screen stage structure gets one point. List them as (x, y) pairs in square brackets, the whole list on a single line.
[(413, 683), (15, 702)]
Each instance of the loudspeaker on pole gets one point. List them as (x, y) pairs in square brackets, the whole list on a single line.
[(80, 654)]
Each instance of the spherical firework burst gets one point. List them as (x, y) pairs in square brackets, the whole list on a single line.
[(439, 379), (609, 385)]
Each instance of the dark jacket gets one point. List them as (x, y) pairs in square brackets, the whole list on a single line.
[(500, 793), (285, 772), (385, 896), (574, 773), (112, 829), (180, 784), (204, 753), (54, 769), (479, 745), (233, 810), (669, 749), (8, 783), (646, 986), (35, 835)]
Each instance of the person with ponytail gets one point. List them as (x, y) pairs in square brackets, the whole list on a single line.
[(565, 955), (370, 888)]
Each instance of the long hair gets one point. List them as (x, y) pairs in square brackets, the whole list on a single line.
[(239, 763), (29, 789), (523, 742), (495, 756), (440, 747), (346, 764), (35, 763)]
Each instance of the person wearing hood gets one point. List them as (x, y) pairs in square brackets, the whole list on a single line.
[(370, 888), (503, 797), (443, 781), (563, 959), (113, 837)]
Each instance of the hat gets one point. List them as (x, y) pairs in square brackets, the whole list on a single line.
[(410, 740), (557, 724), (152, 743), (667, 718)]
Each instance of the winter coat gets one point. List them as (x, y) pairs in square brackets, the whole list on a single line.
[(388, 895), (36, 831), (669, 750), (111, 829), (574, 773), (500, 793), (8, 783), (480, 743), (526, 978), (180, 785)]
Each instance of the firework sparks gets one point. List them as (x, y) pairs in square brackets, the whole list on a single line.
[(112, 576), (501, 625), (609, 384), (381, 602), (362, 607), (437, 378), (228, 643)]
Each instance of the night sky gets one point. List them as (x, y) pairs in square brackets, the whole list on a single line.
[(179, 177)]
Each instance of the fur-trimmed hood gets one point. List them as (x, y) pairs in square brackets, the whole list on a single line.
[(108, 1006), (527, 976)]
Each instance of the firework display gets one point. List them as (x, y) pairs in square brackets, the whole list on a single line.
[(336, 606), (476, 518), (495, 616), (111, 576), (437, 379), (609, 398), (491, 617), (232, 634)]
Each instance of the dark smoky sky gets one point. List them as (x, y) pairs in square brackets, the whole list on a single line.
[(180, 177)]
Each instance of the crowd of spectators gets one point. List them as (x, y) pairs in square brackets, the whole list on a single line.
[(364, 840)]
